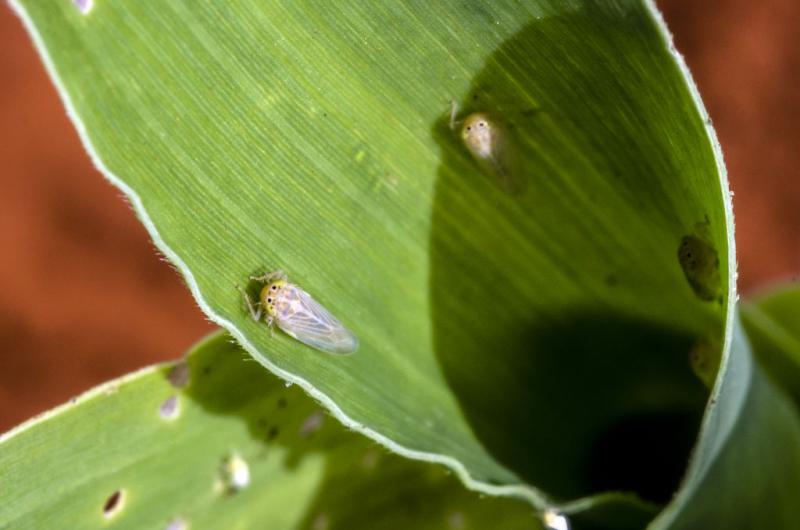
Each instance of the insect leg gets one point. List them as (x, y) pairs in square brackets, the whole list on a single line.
[(453, 113), (271, 325), (268, 277), (255, 312)]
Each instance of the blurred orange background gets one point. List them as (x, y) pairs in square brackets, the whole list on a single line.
[(85, 296)]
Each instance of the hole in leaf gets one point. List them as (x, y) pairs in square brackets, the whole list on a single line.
[(234, 474), (312, 424), (84, 6), (177, 524), (170, 408), (554, 520)]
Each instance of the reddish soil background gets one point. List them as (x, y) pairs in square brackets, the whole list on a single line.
[(85, 296)]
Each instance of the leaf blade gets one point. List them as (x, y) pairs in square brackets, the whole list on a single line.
[(305, 471)]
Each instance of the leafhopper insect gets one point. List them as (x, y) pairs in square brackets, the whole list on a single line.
[(298, 315), (491, 147)]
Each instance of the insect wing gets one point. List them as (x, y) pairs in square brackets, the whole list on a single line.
[(312, 324)]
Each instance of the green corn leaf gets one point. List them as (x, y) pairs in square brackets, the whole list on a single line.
[(173, 441), (772, 321), (745, 472), (544, 317)]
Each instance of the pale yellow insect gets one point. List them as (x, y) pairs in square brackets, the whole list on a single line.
[(490, 145), (482, 136), (298, 315)]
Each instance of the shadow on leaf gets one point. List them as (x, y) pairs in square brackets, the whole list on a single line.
[(562, 319)]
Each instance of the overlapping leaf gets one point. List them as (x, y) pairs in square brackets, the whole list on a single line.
[(772, 322), (172, 442)]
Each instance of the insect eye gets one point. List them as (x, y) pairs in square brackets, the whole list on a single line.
[(274, 287)]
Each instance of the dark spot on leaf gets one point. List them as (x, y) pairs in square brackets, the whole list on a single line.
[(273, 433), (700, 264), (282, 403), (704, 359), (178, 376), (113, 504)]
